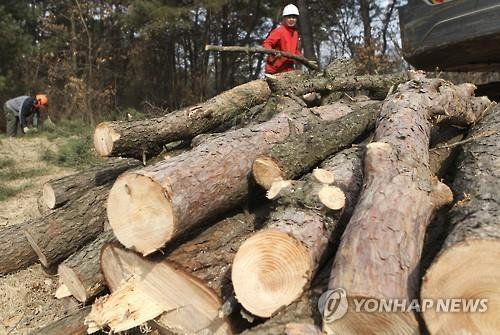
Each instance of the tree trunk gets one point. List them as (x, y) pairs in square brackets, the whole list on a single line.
[(377, 86), (16, 252), (398, 201), (81, 271), (62, 232), (59, 191), (474, 240), (69, 325), (147, 137), (296, 236), (149, 207), (299, 154), (306, 30), (192, 280)]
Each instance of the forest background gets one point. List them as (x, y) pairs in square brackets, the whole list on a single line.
[(101, 60)]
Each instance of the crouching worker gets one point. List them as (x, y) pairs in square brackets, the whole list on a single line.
[(18, 110)]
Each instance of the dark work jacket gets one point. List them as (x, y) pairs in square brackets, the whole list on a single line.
[(23, 107)]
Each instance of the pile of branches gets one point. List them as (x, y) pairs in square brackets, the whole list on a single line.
[(289, 187)]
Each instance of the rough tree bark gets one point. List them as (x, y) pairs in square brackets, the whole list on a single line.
[(16, 252), (146, 138), (69, 325), (474, 241), (62, 232), (300, 153), (149, 207), (273, 267), (192, 280), (398, 200), (59, 191), (81, 271)]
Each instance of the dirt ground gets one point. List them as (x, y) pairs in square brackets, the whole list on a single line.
[(27, 297)]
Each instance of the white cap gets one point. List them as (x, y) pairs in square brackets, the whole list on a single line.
[(290, 10)]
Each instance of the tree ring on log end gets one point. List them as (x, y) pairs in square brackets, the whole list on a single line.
[(140, 213), (104, 137), (266, 171), (323, 176), (467, 270), (269, 271), (332, 197), (72, 282), (49, 197)]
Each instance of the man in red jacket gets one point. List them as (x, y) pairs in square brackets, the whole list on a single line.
[(285, 37)]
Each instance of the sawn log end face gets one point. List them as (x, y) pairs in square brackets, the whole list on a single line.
[(266, 171), (140, 213), (49, 197), (104, 138), (270, 271), (468, 270)]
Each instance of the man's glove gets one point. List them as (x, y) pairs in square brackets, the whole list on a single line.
[(26, 130)]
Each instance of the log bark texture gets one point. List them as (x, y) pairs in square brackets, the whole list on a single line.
[(275, 265), (64, 231), (300, 153), (81, 271), (199, 271), (147, 137), (16, 252), (59, 191), (474, 240), (398, 201), (149, 207), (69, 325)]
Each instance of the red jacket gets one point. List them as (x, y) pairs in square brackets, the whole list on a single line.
[(281, 38)]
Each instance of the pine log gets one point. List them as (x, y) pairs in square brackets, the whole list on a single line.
[(147, 137), (149, 207), (59, 191), (300, 318), (273, 267), (398, 200), (64, 231), (81, 272), (190, 283), (69, 325), (299, 154), (16, 252), (474, 241)]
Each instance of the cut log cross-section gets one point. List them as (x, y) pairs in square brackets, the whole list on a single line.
[(468, 266), (64, 231), (147, 137), (59, 191), (81, 272), (149, 207), (185, 290), (398, 201), (274, 266)]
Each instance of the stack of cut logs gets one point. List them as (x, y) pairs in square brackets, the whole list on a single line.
[(386, 186)]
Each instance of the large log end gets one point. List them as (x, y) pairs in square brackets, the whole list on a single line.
[(468, 270), (104, 138), (269, 271), (140, 213)]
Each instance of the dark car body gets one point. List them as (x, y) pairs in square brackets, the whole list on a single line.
[(459, 35)]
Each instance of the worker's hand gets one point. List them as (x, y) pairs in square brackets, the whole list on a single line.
[(26, 130)]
